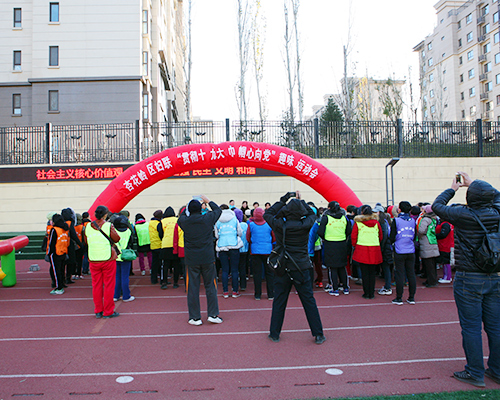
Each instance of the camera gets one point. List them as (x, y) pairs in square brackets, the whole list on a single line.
[(458, 178), (292, 194)]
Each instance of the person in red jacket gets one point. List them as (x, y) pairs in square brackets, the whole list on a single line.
[(446, 240), (366, 237)]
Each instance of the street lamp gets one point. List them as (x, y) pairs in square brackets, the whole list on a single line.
[(391, 164)]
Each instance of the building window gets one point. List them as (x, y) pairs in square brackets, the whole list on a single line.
[(470, 55), (16, 104), (426, 114), (485, 10), (459, 24), (461, 78), (433, 109), (460, 60), (488, 87), (497, 58), (54, 12), (431, 77), (429, 46), (431, 62), (463, 114), (17, 17), (497, 79), (495, 17), (498, 99), (489, 106), (472, 92), (431, 93), (487, 67), (442, 55), (53, 56), (459, 42), (145, 106), (53, 100), (496, 37), (462, 96), (468, 19), (486, 29), (471, 73), (145, 22), (17, 60), (145, 59), (473, 110), (470, 37), (486, 48)]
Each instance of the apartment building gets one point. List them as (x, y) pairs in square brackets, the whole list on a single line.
[(460, 62), (88, 62)]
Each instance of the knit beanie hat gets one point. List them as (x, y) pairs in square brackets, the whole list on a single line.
[(428, 209), (194, 206), (238, 213), (158, 214)]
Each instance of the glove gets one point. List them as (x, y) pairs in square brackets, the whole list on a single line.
[(285, 198)]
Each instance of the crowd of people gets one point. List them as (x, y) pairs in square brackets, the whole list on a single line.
[(309, 246)]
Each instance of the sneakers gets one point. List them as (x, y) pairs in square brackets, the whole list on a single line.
[(411, 300), (236, 295), (115, 299), (270, 298), (163, 286), (464, 376), (319, 284), (346, 291), (333, 292), (143, 273), (225, 294), (257, 298), (319, 339), (98, 315), (57, 291), (385, 291), (275, 340), (442, 280), (115, 314), (131, 298), (176, 285), (328, 287), (195, 321), (215, 320), (397, 301), (494, 378)]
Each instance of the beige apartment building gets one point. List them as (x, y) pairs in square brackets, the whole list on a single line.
[(460, 63), (91, 62)]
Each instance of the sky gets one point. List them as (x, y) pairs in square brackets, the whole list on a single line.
[(383, 34)]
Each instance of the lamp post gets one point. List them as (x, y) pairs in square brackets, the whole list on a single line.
[(391, 163)]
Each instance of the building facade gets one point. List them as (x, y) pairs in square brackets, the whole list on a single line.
[(88, 62), (460, 63)]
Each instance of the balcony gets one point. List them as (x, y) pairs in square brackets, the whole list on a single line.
[(483, 97), (481, 38), (481, 20), (482, 58), (483, 77)]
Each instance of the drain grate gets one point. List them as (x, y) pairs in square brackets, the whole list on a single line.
[(26, 394), (416, 379), (198, 390), (309, 384), (85, 394), (141, 391), (254, 387), (361, 382)]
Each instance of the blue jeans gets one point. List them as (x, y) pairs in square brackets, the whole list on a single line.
[(122, 279), (229, 261), (477, 297)]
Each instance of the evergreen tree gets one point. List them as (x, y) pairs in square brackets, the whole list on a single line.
[(332, 112)]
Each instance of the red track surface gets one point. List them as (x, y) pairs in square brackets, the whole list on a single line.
[(52, 346)]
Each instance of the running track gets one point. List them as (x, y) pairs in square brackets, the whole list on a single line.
[(52, 347)]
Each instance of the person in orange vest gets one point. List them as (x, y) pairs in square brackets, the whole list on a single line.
[(57, 249), (366, 238)]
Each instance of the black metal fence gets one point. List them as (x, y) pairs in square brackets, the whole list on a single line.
[(131, 142)]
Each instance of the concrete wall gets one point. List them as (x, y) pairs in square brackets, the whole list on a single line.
[(24, 206)]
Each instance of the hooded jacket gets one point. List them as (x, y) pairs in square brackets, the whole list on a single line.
[(366, 254), (166, 228), (298, 219), (482, 199), (227, 231), (427, 249)]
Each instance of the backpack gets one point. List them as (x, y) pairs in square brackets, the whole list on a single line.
[(487, 255), (431, 232)]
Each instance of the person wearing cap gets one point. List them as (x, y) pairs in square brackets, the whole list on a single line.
[(429, 250), (102, 260), (122, 288), (366, 237), (476, 292), (199, 257), (155, 244)]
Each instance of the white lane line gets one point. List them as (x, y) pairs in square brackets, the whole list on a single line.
[(170, 335), (226, 370)]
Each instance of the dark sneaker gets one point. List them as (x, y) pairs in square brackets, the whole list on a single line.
[(494, 378), (275, 340), (464, 376), (410, 300), (98, 315), (163, 286), (397, 301), (115, 314), (319, 339)]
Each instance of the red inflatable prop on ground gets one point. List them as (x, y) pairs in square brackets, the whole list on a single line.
[(228, 154)]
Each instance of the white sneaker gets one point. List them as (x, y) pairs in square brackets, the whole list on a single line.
[(143, 272), (131, 298), (444, 280), (215, 320), (115, 299), (195, 322), (385, 291)]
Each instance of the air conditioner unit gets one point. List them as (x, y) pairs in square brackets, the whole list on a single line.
[(483, 58), (481, 20), (483, 77), (483, 96)]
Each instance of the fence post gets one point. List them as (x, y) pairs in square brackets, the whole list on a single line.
[(400, 137), (316, 138), (137, 141), (479, 136), (48, 142), (228, 131)]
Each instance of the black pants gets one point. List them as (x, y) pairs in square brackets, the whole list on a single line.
[(405, 267), (242, 269), (429, 265), (259, 262), (57, 269), (368, 274), (282, 287), (156, 265), (335, 275)]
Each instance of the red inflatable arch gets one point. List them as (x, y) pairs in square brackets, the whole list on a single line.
[(228, 154)]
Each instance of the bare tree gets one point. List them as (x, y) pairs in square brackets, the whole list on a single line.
[(243, 52), (189, 65), (258, 39), (391, 100), (295, 7), (347, 98), (288, 63)]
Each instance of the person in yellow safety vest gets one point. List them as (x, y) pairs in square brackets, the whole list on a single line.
[(335, 229), (57, 249), (143, 242), (366, 237), (170, 260), (155, 245)]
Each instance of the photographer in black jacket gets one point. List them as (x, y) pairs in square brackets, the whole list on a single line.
[(295, 218), (477, 294)]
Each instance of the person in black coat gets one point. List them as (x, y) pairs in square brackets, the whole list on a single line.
[(476, 292), (293, 221)]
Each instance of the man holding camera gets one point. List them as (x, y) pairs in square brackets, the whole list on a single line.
[(291, 224)]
